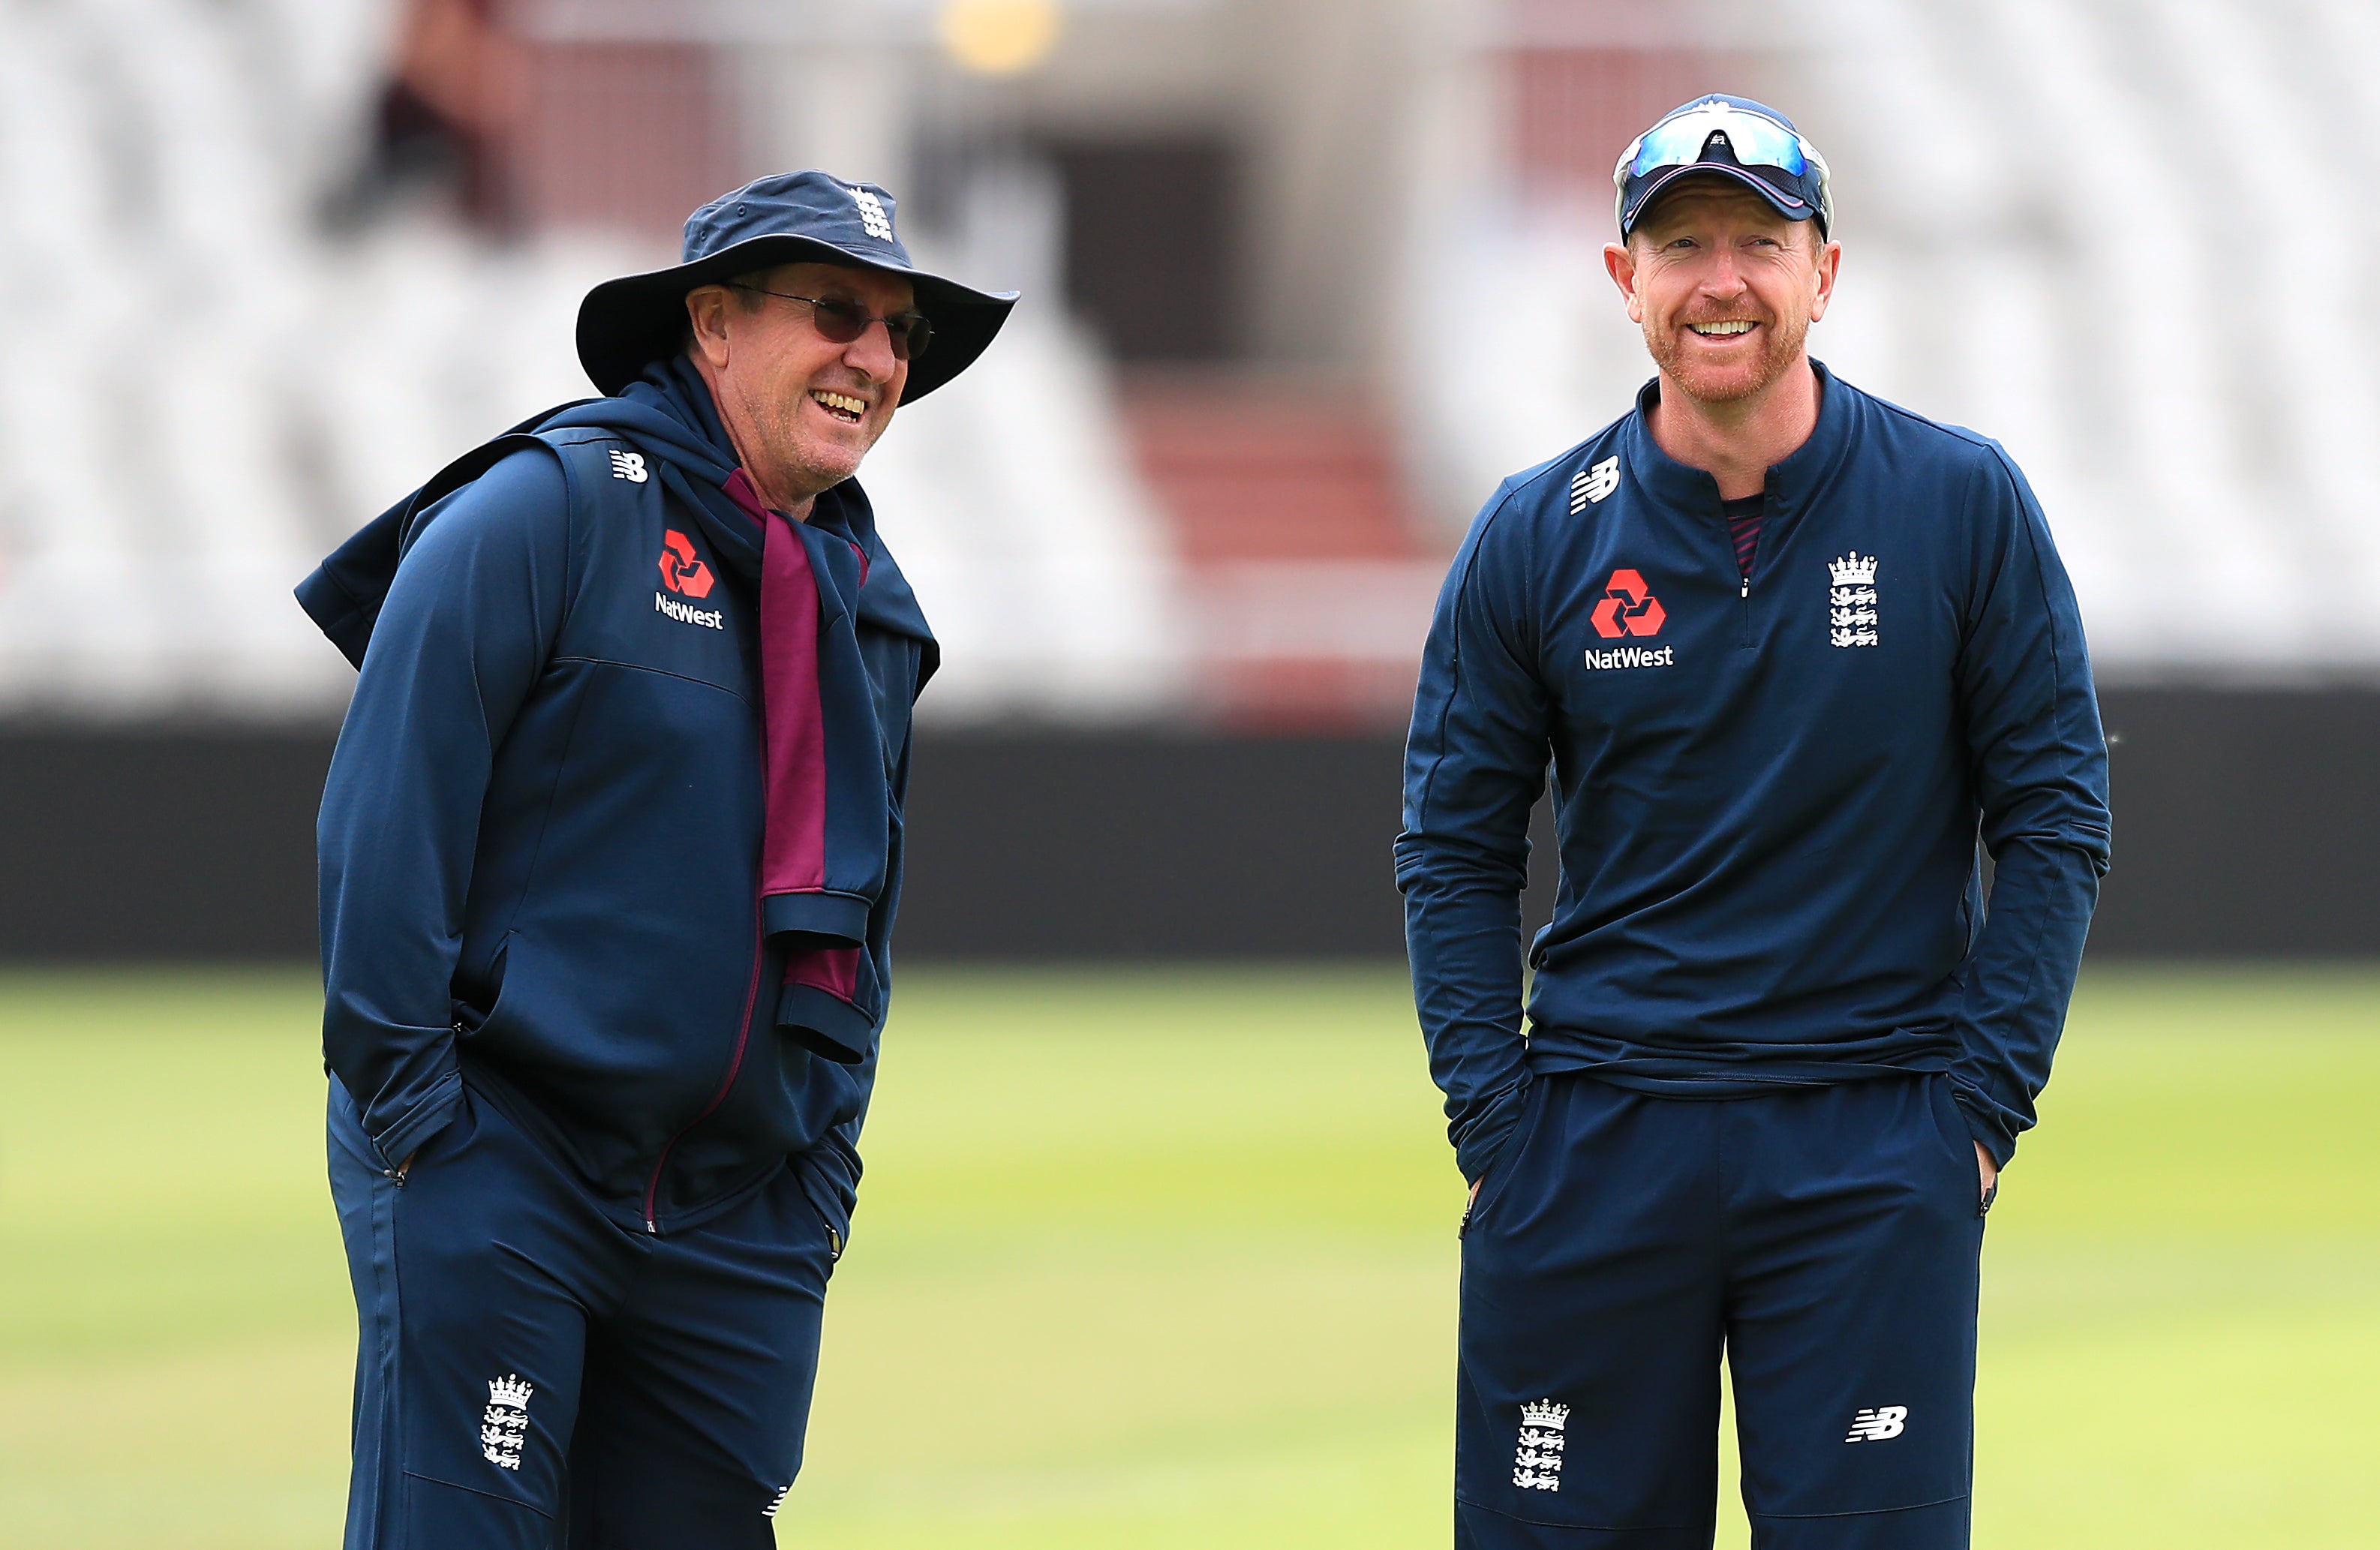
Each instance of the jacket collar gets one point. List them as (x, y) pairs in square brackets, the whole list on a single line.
[(669, 412), (1790, 483)]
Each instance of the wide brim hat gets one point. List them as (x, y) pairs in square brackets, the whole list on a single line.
[(802, 217)]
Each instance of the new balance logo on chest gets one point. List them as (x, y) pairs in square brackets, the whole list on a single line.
[(1593, 484)]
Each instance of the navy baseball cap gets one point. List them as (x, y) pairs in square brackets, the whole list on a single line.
[(793, 217), (1733, 137)]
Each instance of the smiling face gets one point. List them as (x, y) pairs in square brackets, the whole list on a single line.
[(801, 409), (1724, 288)]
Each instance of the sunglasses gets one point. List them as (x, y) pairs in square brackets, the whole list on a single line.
[(1755, 139), (841, 323)]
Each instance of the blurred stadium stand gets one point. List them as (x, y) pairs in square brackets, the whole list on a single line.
[(2104, 232), (1304, 576), (1305, 278)]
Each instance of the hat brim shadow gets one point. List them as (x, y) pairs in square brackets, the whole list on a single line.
[(1786, 204), (627, 324)]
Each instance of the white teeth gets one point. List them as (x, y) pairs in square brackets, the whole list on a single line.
[(1721, 330), (842, 402)]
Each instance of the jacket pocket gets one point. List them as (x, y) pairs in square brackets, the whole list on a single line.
[(825, 1199), (1950, 1125)]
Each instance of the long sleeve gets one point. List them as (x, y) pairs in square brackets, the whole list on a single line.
[(899, 672), (2040, 765), (464, 636), (1474, 763)]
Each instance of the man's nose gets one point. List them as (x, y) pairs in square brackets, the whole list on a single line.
[(1723, 278), (872, 352)]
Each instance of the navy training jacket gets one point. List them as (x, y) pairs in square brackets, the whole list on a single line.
[(1768, 790), (541, 839)]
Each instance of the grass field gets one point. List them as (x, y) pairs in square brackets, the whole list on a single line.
[(1167, 1260)]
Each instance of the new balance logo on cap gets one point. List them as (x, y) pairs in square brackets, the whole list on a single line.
[(1880, 1424), (1594, 484)]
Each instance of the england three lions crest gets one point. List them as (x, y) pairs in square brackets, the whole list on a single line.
[(504, 1425), (1851, 600), (1537, 1461)]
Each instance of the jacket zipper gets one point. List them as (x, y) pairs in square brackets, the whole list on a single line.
[(735, 1067), (1743, 578)]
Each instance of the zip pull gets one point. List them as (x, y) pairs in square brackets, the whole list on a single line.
[(1747, 588)]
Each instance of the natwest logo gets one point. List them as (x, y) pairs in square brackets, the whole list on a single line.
[(1628, 607), (681, 572)]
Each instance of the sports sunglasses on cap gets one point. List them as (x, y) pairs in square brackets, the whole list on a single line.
[(1726, 135), (840, 322)]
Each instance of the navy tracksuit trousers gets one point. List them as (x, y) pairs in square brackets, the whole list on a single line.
[(1828, 1238), (534, 1374)]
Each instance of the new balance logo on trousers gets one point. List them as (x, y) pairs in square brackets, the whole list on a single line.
[(1880, 1424)]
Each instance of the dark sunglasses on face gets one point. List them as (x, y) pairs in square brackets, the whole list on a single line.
[(841, 323)]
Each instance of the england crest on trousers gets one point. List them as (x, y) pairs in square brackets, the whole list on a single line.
[(504, 1425), (1537, 1460)]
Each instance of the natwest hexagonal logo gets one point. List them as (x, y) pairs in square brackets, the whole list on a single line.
[(682, 570), (1628, 607)]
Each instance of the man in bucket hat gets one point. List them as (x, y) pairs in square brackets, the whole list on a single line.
[(611, 849), (1790, 651)]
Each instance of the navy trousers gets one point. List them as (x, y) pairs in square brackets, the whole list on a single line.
[(532, 1375), (1826, 1238)]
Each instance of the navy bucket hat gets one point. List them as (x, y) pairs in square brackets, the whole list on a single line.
[(794, 217), (1734, 137)]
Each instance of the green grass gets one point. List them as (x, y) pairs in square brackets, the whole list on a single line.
[(1167, 1260)]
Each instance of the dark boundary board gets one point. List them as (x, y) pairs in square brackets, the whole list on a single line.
[(2244, 822)]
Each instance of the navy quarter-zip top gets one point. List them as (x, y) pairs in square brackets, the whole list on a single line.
[(1769, 784)]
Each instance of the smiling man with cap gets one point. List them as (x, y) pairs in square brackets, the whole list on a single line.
[(611, 850), (1791, 652)]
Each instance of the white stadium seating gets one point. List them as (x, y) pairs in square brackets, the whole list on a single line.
[(2122, 236), (202, 389)]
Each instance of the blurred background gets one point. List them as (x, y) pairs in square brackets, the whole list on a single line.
[(1303, 280)]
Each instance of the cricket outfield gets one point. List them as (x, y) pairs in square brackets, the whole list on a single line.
[(1166, 1260)]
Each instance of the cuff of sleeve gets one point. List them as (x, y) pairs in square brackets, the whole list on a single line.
[(417, 1124), (826, 1024), (1989, 1132), (1476, 1148), (836, 918)]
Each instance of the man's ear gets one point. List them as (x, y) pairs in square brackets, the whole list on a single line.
[(1830, 259), (1619, 263), (705, 311)]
